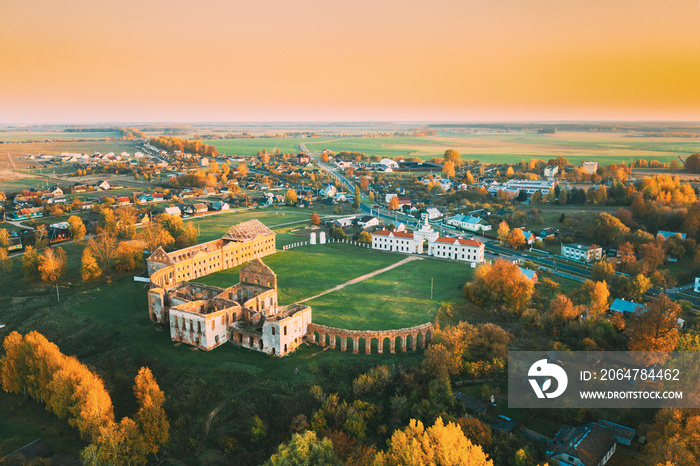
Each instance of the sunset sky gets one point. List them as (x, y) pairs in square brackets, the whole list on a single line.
[(277, 60)]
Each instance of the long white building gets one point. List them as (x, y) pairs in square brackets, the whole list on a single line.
[(459, 249), (466, 250)]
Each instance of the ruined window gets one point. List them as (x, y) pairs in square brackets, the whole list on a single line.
[(285, 348), (273, 330), (213, 324), (216, 338), (285, 330)]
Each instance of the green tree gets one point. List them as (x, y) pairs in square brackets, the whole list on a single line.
[(358, 198), (536, 198), (258, 430), (305, 449)]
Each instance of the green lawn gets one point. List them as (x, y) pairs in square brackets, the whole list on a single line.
[(394, 299), (308, 270)]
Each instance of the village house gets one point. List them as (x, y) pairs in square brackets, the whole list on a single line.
[(580, 252), (174, 211), (466, 250), (103, 185), (302, 158), (467, 222), (368, 221), (591, 444)]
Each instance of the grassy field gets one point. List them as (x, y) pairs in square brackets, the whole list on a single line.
[(606, 148), (255, 145), (308, 270), (41, 136), (72, 146), (394, 299)]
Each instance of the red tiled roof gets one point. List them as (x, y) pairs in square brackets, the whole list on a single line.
[(463, 242), (397, 234)]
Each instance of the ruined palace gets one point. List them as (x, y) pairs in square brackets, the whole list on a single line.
[(246, 314)]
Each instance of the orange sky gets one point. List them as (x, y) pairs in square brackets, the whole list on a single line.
[(176, 60)]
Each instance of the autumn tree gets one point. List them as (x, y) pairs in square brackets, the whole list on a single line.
[(107, 221), (150, 419), (154, 235), (448, 169), (598, 295), (441, 444), (654, 329), (52, 265), (104, 250), (510, 173), (468, 178), (4, 238), (637, 287), (440, 362), (503, 232), (500, 284), (129, 256), (365, 237), (607, 229), (89, 269), (5, 260), (126, 221), (453, 156), (394, 203), (315, 219), (290, 197), (516, 238), (242, 170), (562, 309), (603, 271), (30, 264), (305, 449), (76, 228), (188, 236), (673, 438)]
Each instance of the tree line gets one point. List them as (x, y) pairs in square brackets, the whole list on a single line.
[(35, 367)]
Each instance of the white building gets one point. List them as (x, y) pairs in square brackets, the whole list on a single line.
[(467, 222), (433, 213), (551, 170), (396, 241), (529, 186), (580, 252), (368, 221), (589, 167), (465, 250), (388, 163)]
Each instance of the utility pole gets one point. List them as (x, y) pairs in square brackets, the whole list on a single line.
[(57, 295), (431, 288)]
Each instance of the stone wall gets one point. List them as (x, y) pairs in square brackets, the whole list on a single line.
[(405, 339)]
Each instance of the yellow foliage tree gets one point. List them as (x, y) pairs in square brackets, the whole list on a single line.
[(89, 269), (440, 444), (503, 232)]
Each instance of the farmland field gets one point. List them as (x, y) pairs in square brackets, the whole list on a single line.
[(74, 147), (23, 136), (606, 148), (253, 146)]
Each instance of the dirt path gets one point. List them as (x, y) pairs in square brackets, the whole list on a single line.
[(364, 277)]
